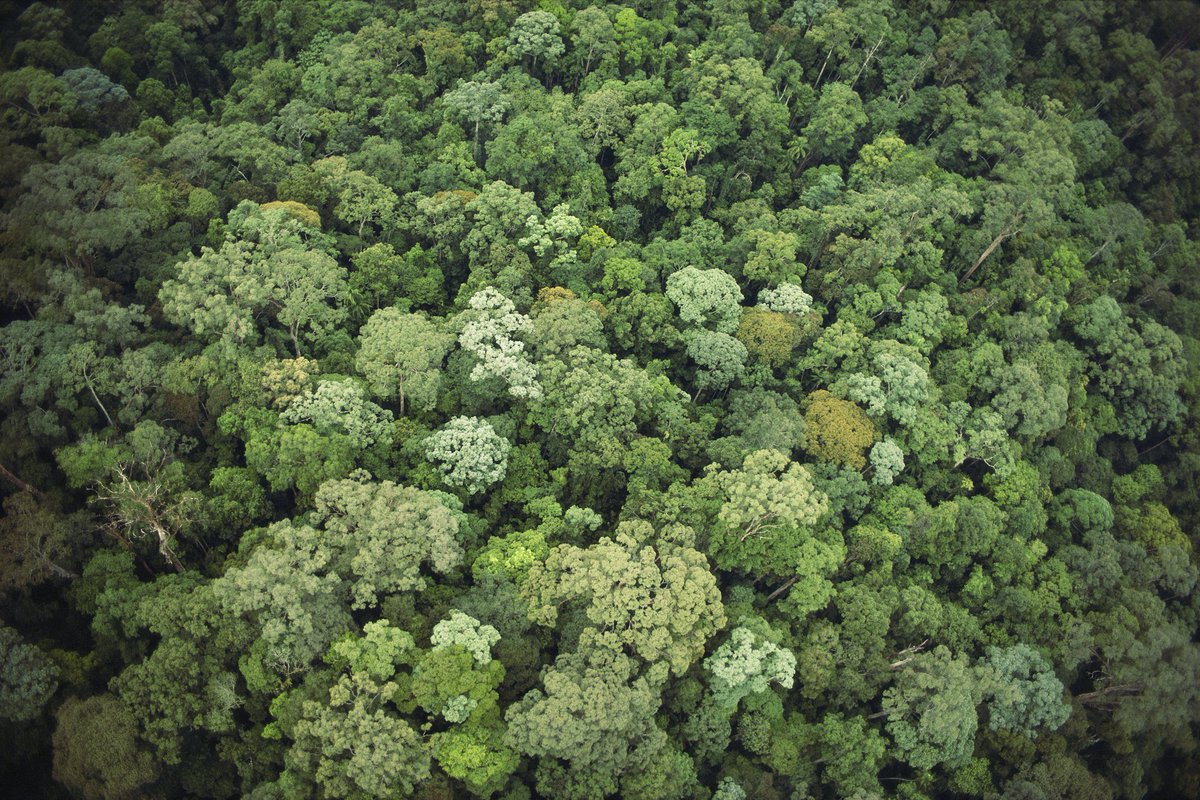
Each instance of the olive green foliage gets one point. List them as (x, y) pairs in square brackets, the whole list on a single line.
[(767, 335), (838, 431), (659, 401), (95, 749)]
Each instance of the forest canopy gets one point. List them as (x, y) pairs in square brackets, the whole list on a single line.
[(548, 399)]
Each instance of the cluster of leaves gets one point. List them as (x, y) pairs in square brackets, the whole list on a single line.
[(669, 400)]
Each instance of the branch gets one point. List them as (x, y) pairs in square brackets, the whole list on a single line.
[(991, 248), (87, 380), (791, 582), (20, 484), (909, 652), (1097, 698)]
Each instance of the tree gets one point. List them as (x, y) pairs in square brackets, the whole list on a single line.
[(27, 677), (931, 709), (1032, 404), (87, 204), (1028, 158), (444, 54), (706, 298), (765, 525), (266, 267), (596, 405), (93, 90), (593, 40), (658, 599), (465, 631), (852, 752), (682, 192), (401, 355), (1141, 366), (183, 687), (293, 600), (773, 259), (747, 664), (770, 490), (541, 151), (562, 323), (768, 335), (140, 482), (378, 653), (38, 542), (887, 461), (477, 756), (1027, 695), (382, 278), (338, 406), (361, 198), (719, 357), (449, 682), (499, 218), (786, 298), (469, 453), (96, 750), (34, 98), (834, 123), (299, 456), (352, 746), (489, 326), (974, 50), (758, 420), (592, 711), (536, 34), (478, 103), (729, 790), (838, 431), (380, 535)]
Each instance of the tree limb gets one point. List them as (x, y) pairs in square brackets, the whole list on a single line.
[(20, 484)]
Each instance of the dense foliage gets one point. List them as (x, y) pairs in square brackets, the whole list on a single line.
[(665, 401)]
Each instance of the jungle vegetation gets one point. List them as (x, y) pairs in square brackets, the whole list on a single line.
[(549, 399)]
